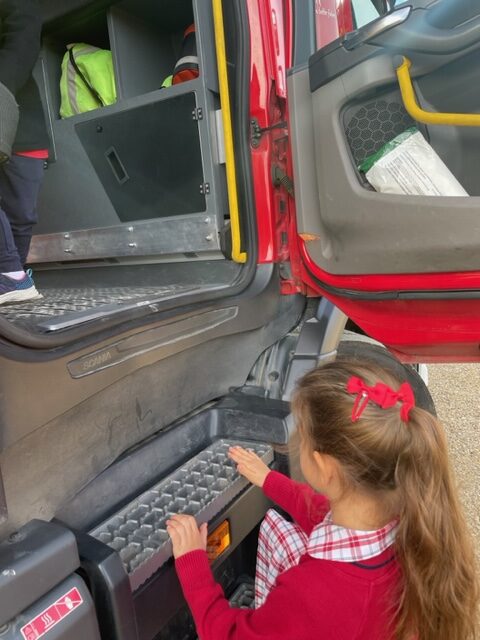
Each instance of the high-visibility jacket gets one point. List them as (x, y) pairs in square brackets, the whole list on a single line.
[(87, 81)]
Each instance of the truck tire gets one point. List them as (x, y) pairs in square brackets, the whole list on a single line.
[(380, 356)]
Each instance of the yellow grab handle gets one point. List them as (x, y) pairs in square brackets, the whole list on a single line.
[(237, 254), (429, 117)]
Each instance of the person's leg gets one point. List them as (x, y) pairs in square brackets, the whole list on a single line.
[(9, 259), (20, 184)]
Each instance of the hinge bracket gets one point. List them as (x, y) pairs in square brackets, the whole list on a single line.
[(257, 131)]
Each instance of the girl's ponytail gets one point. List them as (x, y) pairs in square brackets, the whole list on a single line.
[(405, 465), (439, 592)]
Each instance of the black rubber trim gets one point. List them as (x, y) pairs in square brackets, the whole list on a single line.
[(351, 294), (241, 124), (304, 38)]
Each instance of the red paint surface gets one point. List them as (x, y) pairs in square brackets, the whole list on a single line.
[(271, 50), (333, 18), (417, 330), (345, 16)]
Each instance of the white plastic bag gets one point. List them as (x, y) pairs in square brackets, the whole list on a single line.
[(408, 165)]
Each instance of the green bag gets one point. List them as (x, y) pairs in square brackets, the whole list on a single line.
[(87, 81)]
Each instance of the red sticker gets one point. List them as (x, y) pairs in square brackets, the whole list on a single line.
[(52, 615)]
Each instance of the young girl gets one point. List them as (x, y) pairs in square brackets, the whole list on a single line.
[(378, 549)]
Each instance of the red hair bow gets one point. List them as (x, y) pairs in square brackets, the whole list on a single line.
[(382, 395)]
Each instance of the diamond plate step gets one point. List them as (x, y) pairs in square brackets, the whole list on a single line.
[(62, 308), (202, 487)]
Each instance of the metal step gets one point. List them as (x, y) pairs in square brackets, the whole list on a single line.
[(64, 308), (202, 487)]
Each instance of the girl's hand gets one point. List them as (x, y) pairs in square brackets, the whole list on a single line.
[(249, 465), (185, 535)]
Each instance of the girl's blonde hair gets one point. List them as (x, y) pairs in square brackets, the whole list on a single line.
[(406, 465)]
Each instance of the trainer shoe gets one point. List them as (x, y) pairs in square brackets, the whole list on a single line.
[(17, 290)]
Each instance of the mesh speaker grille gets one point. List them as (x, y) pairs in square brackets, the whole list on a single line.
[(372, 125)]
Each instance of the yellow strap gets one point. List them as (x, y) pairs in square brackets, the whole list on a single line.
[(429, 117), (237, 254)]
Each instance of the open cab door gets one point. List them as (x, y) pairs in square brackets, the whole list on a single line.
[(405, 268)]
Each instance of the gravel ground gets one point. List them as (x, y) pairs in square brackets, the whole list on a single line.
[(455, 391)]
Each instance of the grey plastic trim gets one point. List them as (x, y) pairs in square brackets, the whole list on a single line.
[(318, 342), (360, 231), (420, 35), (79, 624), (139, 344), (304, 38), (376, 28), (32, 562), (309, 219)]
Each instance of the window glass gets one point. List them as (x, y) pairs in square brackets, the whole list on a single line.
[(364, 12), (334, 18)]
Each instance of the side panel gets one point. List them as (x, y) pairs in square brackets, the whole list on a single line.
[(40, 595), (71, 429)]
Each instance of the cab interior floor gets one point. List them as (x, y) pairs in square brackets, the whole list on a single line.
[(72, 296), (62, 307)]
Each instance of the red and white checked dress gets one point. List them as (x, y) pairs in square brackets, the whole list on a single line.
[(281, 544)]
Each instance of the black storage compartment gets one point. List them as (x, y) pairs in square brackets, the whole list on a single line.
[(144, 36), (153, 158), (146, 42), (148, 159), (91, 28)]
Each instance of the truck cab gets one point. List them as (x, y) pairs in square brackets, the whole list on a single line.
[(200, 247)]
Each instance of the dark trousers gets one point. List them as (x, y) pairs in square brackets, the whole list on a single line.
[(20, 182)]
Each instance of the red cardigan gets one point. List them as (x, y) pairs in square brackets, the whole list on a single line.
[(317, 600)]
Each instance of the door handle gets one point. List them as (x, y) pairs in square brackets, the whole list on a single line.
[(429, 117), (419, 33), (376, 28)]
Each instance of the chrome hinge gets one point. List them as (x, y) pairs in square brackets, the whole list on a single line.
[(205, 188), (197, 114)]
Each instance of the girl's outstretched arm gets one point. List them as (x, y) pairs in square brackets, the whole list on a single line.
[(305, 506), (277, 619)]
